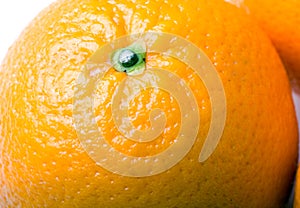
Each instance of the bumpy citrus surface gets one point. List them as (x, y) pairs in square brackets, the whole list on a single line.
[(280, 20), (42, 162)]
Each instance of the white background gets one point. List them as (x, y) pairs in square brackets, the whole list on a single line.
[(14, 17)]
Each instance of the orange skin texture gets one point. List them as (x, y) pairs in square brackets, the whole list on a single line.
[(42, 162)]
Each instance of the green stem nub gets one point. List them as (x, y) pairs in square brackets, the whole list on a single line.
[(128, 58), (131, 59)]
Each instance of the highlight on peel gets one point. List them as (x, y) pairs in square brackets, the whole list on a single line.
[(188, 122)]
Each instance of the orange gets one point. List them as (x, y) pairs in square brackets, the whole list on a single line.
[(297, 191), (280, 20), (43, 162)]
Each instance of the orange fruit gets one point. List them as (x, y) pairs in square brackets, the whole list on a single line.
[(297, 190), (43, 161), (280, 20)]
